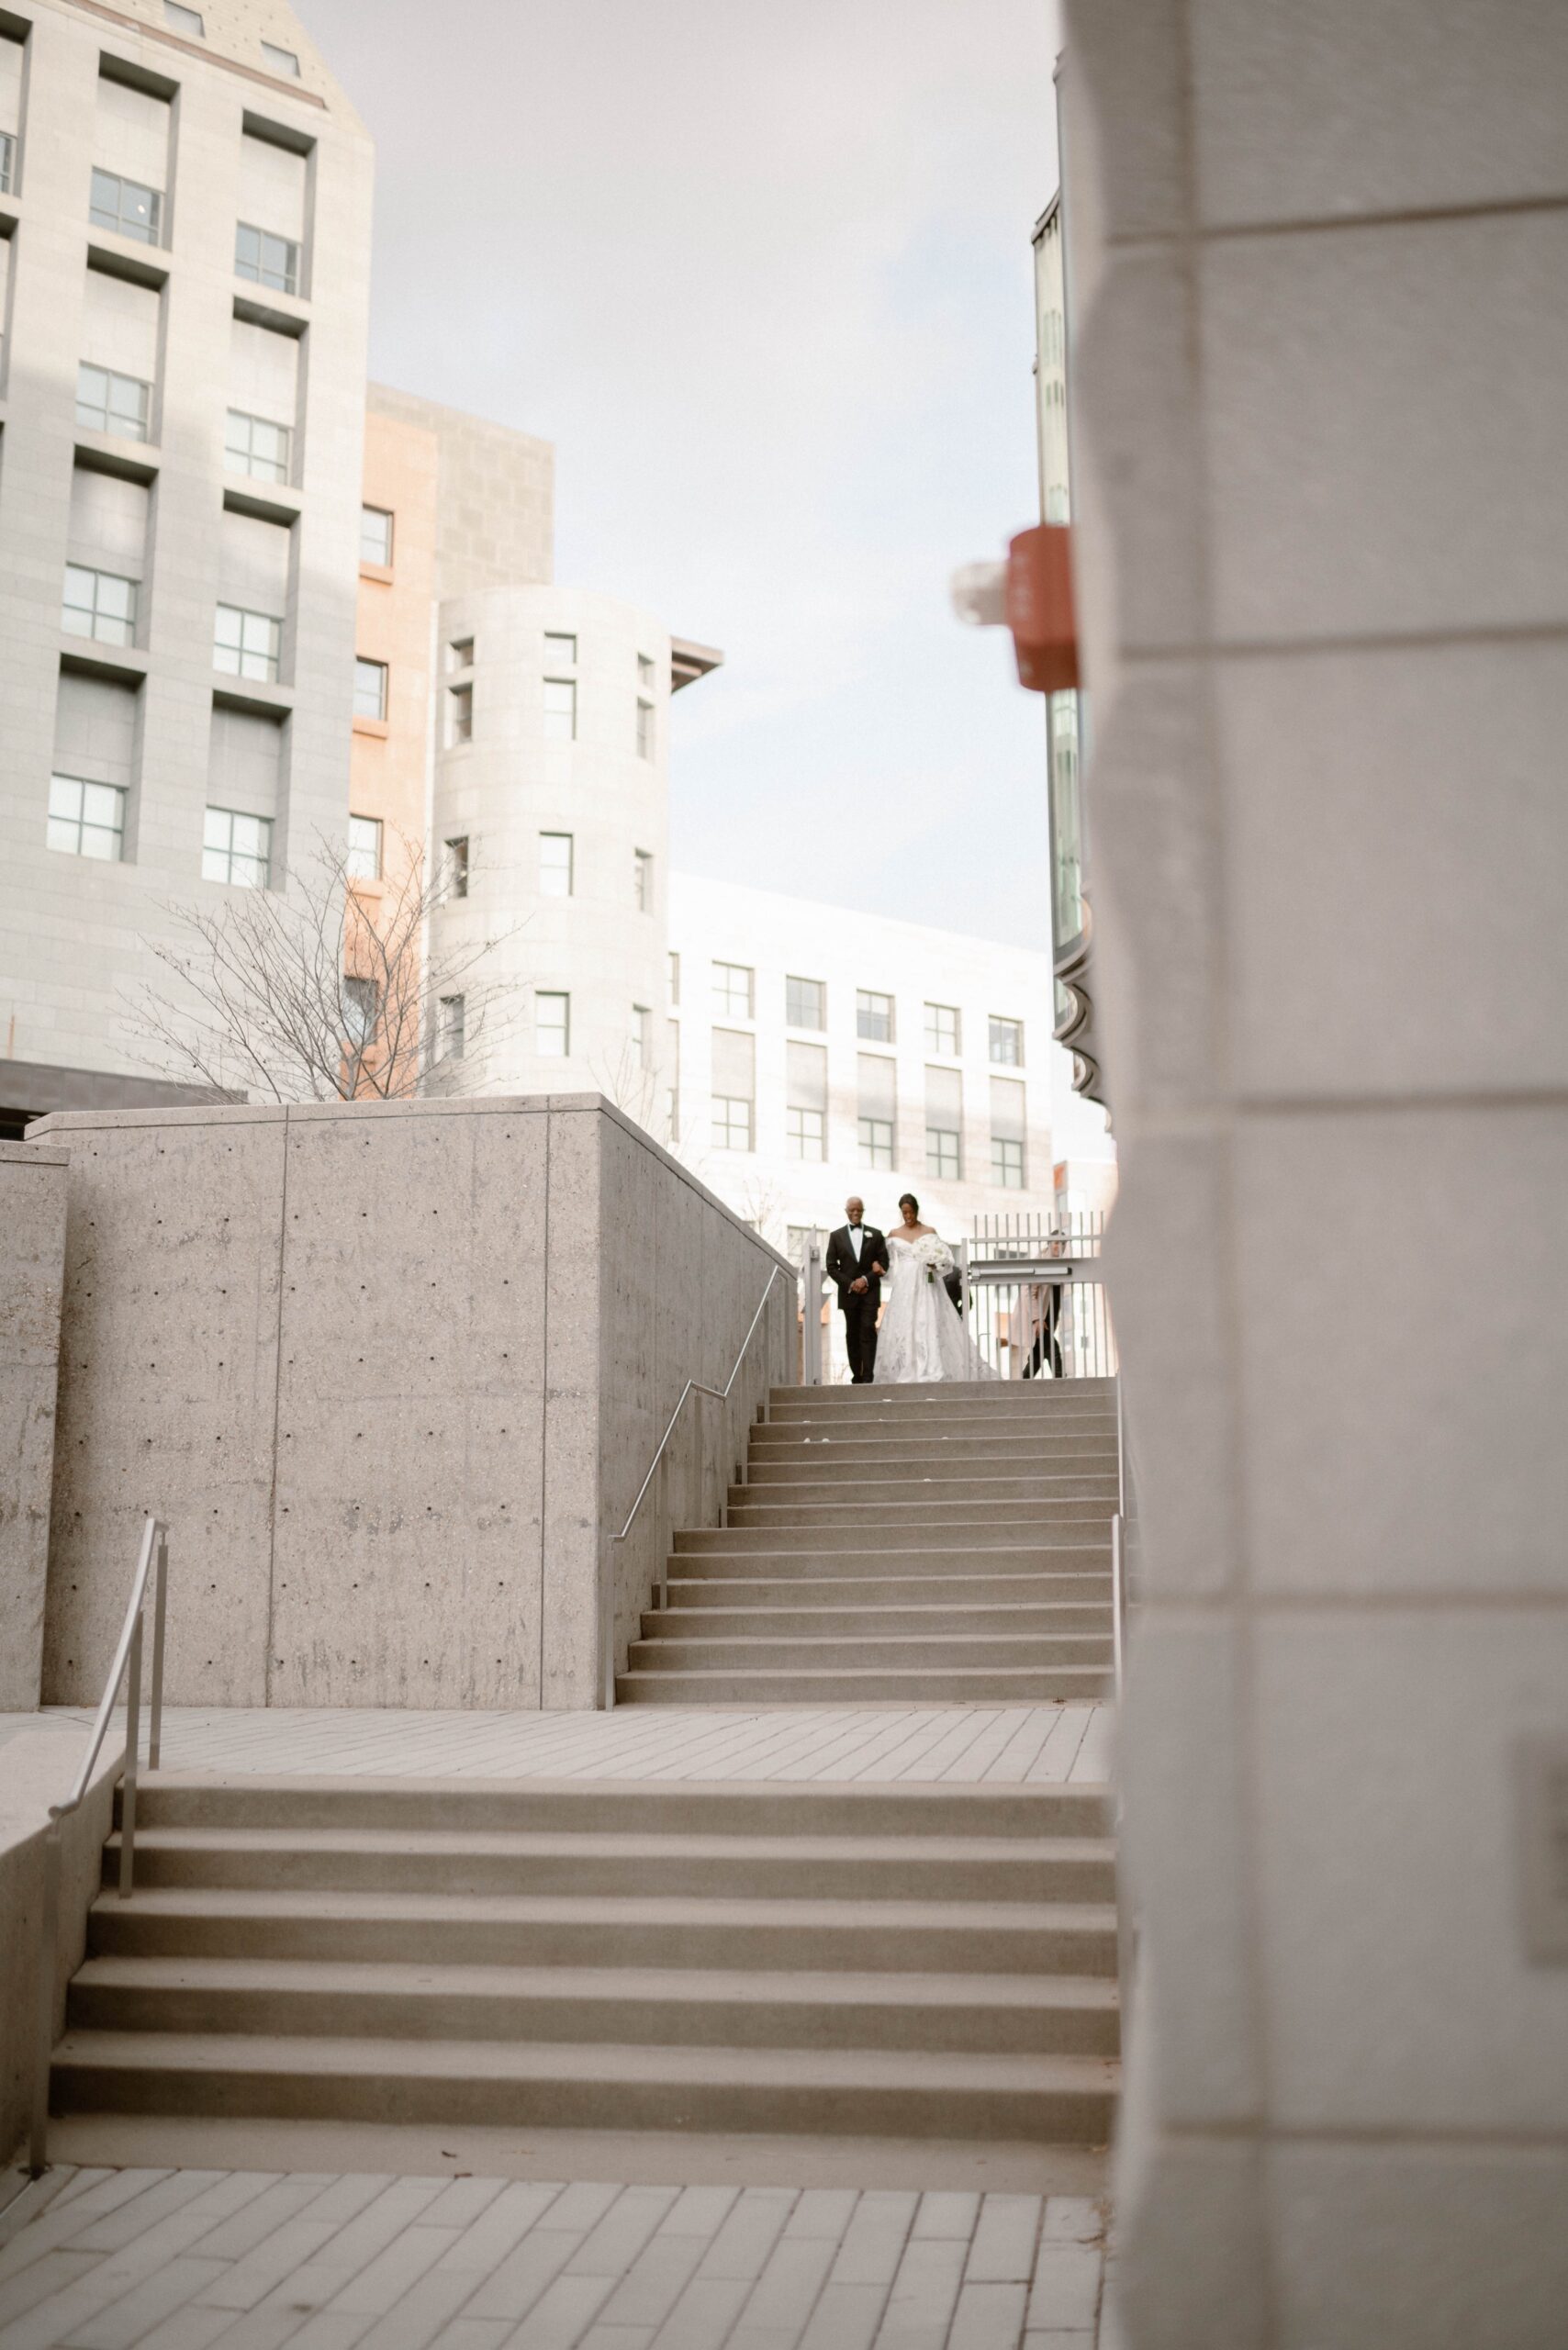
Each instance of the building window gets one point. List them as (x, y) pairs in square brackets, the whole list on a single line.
[(460, 653), (643, 882), (376, 536), (874, 1017), (798, 1239), (1007, 1042), (672, 1117), (370, 689), (644, 730), (643, 1035), (674, 989), (109, 403), (560, 650), (805, 1134), (877, 1141), (460, 715), (453, 1027), (125, 207), (359, 1009), (555, 865), (253, 445), (942, 1031), (86, 819), (184, 20), (732, 1123), (7, 162), (247, 645), (944, 1154), (560, 710), (363, 860), (266, 260), (455, 879), (1007, 1162), (733, 990), (805, 1003), (236, 850), (280, 60), (646, 671), (98, 604), (552, 1026)]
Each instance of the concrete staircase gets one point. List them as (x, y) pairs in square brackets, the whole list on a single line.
[(917, 1546), (934, 1961)]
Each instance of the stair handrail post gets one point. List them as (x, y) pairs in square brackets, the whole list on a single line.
[(126, 1659), (812, 1314)]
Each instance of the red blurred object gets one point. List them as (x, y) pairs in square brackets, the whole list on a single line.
[(1039, 608)]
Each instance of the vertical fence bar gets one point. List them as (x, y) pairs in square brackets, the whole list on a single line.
[(155, 1706), (132, 1741)]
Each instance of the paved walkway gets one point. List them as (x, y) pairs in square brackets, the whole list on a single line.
[(252, 2260), (1033, 1745)]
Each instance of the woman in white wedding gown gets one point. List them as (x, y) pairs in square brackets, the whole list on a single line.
[(922, 1333)]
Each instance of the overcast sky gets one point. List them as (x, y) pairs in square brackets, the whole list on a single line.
[(762, 275)]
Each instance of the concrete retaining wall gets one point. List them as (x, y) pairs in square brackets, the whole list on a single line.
[(32, 1218), (393, 1373)]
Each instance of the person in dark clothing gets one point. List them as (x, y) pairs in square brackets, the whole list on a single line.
[(856, 1264)]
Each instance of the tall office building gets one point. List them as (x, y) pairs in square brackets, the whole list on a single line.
[(184, 227)]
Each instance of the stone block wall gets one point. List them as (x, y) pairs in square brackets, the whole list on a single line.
[(393, 1373), (32, 1264)]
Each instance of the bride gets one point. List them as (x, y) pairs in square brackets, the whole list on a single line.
[(922, 1335)]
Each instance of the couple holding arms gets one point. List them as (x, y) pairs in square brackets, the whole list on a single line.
[(922, 1335)]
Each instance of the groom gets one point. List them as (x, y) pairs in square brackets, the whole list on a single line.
[(857, 1261)]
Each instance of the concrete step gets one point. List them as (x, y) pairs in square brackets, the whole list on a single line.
[(873, 1424), (867, 1489), (304, 1998), (562, 2084), (747, 1579), (885, 1651), (1042, 1392), (770, 1620), (877, 1685), (561, 1931), (908, 1516), (397, 1860), (1069, 1546), (827, 1456), (704, 1806)]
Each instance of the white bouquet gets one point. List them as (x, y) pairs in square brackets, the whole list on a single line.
[(935, 1255)]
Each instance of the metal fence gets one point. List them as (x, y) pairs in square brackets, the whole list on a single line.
[(1037, 1302)]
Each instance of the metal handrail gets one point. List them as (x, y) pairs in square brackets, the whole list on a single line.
[(695, 1387), (155, 1551), (1118, 1562)]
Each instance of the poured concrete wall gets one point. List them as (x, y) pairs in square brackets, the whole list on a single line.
[(392, 1373), (32, 1264), (1320, 376)]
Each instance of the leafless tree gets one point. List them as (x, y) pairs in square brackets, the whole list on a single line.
[(628, 1081), (315, 992)]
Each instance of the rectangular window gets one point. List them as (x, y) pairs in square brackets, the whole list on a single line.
[(644, 730), (86, 819), (100, 604), (942, 1028), (732, 1123), (253, 445), (364, 859), (284, 62), (876, 1084), (125, 207), (642, 1034), (455, 865), (945, 1123), (1007, 1131), (552, 1026), (460, 653), (805, 1003), (646, 671), (266, 260), (735, 991), (805, 1134), (370, 689), (247, 645), (359, 1010), (106, 402), (376, 535), (7, 162), (459, 715), (944, 1154), (184, 20), (877, 1141), (874, 1017), (453, 1027), (560, 710), (1007, 1042), (560, 650), (643, 882), (674, 981), (1007, 1163), (555, 865), (236, 848)]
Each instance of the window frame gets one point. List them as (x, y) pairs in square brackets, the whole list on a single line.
[(936, 1156), (873, 1150), (933, 1031), (797, 1138), (817, 1027), (384, 514), (569, 867), (1002, 1166), (555, 996), (189, 22), (283, 63), (642, 880), (82, 785), (729, 1103), (357, 849), (459, 715), (456, 865), (362, 662), (126, 620), (552, 731), (150, 234), (230, 878), (864, 998), (723, 995), (112, 376), (272, 671), (451, 1018), (996, 1023), (276, 281), (272, 469)]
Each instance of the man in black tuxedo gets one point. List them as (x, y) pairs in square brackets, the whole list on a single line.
[(857, 1261)]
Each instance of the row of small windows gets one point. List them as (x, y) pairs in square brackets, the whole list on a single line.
[(126, 207), (805, 1136), (191, 23), (87, 819), (805, 1006)]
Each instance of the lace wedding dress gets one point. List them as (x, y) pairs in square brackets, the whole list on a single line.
[(922, 1335)]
